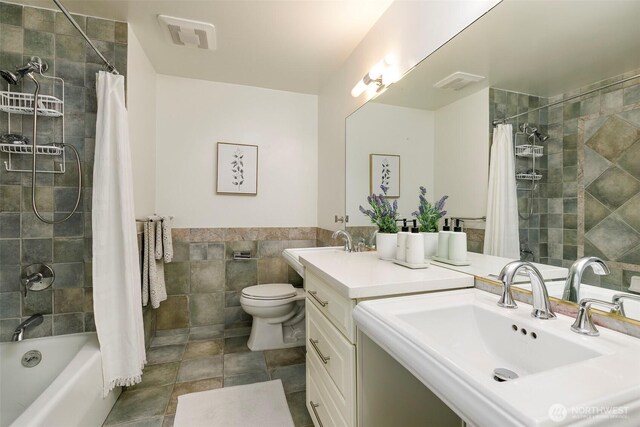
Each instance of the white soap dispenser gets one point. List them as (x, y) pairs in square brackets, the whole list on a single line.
[(443, 240), (401, 247), (458, 244), (415, 246)]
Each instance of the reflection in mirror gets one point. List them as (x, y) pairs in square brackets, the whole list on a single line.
[(576, 137)]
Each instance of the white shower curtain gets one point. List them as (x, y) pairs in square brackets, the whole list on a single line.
[(116, 269), (502, 233)]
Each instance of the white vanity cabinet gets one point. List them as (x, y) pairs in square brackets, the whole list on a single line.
[(331, 355), (335, 281)]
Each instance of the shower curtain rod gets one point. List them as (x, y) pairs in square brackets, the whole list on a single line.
[(110, 67), (503, 121)]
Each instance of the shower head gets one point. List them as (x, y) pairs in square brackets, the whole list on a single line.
[(35, 64), (541, 137)]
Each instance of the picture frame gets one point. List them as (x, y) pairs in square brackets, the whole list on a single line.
[(384, 169), (237, 169)]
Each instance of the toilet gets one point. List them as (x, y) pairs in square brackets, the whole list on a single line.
[(278, 315)]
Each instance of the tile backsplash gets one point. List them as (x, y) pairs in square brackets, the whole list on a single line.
[(204, 282)]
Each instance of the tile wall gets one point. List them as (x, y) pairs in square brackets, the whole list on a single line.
[(589, 197), (67, 306), (204, 282)]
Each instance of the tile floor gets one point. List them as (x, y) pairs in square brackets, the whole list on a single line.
[(186, 361)]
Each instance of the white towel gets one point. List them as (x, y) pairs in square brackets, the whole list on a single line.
[(502, 232), (167, 242), (116, 271), (153, 283)]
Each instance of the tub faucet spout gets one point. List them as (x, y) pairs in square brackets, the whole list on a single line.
[(34, 320)]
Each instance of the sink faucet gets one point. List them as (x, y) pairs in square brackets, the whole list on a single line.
[(541, 305), (618, 300), (572, 285), (583, 324), (348, 241), (34, 320)]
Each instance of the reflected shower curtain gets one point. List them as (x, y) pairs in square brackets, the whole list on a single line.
[(116, 270), (502, 232)]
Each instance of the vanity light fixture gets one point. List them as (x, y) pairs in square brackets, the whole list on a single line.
[(458, 81), (380, 76)]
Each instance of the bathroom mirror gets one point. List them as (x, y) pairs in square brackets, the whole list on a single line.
[(531, 54)]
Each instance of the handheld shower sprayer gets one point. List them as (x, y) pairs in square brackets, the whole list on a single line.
[(34, 64)]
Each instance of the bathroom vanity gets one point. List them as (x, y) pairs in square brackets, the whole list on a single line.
[(335, 282)]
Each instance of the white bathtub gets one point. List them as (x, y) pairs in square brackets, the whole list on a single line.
[(63, 390)]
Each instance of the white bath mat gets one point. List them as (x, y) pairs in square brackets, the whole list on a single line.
[(252, 405)]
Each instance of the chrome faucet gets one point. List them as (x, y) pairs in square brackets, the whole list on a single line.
[(348, 241), (541, 305), (583, 324), (618, 300), (34, 320), (572, 285)]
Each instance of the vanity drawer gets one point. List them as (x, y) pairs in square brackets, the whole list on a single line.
[(333, 305), (336, 358), (320, 405)]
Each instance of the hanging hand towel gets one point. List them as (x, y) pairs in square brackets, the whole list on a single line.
[(116, 271), (167, 242), (159, 238), (153, 283)]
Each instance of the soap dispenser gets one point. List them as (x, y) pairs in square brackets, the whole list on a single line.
[(443, 240), (415, 245), (401, 247), (458, 244)]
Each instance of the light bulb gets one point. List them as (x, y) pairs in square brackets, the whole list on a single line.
[(358, 89)]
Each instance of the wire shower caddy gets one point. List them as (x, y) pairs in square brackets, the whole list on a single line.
[(47, 106)]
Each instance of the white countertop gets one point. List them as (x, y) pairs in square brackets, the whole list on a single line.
[(488, 265), (363, 275)]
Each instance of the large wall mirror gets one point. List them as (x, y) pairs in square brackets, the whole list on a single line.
[(531, 55)]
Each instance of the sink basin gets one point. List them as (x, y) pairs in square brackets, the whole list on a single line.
[(454, 342), (292, 256)]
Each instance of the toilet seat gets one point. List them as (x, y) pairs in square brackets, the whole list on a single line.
[(272, 291)]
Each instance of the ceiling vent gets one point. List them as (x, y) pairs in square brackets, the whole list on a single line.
[(184, 32), (458, 80)]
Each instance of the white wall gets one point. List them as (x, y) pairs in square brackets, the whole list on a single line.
[(193, 115), (410, 30), (462, 153), (141, 107), (388, 129)]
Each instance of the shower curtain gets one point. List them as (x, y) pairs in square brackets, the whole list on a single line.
[(116, 269), (502, 232)]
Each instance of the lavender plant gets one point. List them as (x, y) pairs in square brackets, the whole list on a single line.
[(427, 214), (382, 213)]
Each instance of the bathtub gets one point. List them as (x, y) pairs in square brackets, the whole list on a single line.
[(63, 390)]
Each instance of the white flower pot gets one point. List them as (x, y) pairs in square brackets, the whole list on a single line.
[(386, 245), (430, 244)]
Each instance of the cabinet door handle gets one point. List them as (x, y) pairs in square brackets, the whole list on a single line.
[(315, 413), (314, 344), (314, 294)]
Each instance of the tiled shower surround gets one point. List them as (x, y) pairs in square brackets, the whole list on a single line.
[(589, 198), (67, 306), (204, 282)]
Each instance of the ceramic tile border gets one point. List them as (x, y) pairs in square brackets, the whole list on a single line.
[(232, 234)]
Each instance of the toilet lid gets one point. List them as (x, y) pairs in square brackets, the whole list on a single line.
[(270, 291)]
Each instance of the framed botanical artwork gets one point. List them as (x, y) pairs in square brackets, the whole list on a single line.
[(237, 169), (384, 169)]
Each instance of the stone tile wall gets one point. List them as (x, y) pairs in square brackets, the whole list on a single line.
[(67, 306), (204, 282)]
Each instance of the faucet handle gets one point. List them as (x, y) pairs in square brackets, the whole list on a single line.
[(583, 324), (618, 299)]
